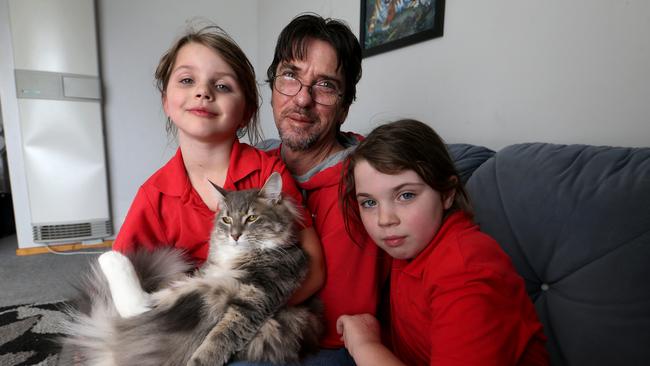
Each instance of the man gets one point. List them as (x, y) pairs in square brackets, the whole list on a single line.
[(313, 77)]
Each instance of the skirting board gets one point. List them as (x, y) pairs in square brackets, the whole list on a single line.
[(62, 248)]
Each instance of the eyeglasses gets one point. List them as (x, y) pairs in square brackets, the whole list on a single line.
[(324, 92)]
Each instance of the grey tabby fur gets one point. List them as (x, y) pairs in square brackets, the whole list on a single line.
[(232, 308)]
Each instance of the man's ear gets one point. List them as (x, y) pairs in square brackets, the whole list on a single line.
[(449, 196), (343, 114)]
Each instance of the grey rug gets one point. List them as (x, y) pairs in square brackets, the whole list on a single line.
[(28, 334)]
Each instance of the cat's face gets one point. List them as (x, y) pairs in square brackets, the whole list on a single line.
[(254, 219)]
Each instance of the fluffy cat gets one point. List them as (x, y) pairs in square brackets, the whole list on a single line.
[(145, 310)]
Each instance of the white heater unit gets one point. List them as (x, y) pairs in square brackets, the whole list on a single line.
[(60, 110)]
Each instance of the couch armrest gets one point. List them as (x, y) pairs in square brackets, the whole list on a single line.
[(575, 220)]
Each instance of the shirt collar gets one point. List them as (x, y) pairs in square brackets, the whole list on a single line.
[(172, 179), (415, 268), (243, 162)]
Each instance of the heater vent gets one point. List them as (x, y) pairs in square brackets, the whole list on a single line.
[(66, 232)]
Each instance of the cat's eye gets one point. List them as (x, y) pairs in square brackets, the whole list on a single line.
[(251, 218), (226, 220)]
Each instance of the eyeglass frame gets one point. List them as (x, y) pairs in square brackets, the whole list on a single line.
[(310, 88)]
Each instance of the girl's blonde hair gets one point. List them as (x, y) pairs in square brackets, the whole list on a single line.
[(217, 39)]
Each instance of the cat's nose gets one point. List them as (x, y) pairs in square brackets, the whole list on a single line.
[(235, 236)]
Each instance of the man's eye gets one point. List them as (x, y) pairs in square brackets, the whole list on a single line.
[(368, 203), (288, 74), (326, 84), (226, 220)]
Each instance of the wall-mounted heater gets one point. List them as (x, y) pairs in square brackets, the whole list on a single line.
[(60, 109)]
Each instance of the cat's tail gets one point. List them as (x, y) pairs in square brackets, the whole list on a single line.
[(155, 270), (159, 268), (89, 329)]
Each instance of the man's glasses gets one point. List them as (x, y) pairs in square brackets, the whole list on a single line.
[(322, 93)]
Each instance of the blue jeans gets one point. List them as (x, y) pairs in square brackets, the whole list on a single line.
[(324, 357)]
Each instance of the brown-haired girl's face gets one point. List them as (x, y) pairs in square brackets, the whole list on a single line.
[(400, 212), (203, 97)]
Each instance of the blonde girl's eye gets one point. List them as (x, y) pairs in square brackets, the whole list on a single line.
[(368, 203), (251, 218), (226, 220), (222, 87)]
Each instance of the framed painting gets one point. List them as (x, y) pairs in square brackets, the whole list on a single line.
[(390, 24)]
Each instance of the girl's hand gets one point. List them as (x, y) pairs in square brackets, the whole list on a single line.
[(361, 335), (358, 331)]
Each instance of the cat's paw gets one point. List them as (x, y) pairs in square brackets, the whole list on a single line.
[(114, 262), (194, 361), (128, 297), (207, 359)]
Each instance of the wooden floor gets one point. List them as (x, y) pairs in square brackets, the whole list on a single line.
[(62, 248)]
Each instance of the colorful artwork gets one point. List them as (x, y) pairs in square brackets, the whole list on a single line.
[(389, 24)]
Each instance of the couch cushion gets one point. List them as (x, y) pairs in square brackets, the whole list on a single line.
[(468, 157), (576, 221)]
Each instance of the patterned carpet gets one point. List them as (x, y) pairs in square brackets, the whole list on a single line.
[(28, 333)]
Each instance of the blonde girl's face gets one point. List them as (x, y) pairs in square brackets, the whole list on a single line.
[(203, 97), (400, 211)]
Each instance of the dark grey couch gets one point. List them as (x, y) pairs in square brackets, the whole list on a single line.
[(575, 220)]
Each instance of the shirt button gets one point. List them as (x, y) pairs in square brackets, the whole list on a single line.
[(544, 286)]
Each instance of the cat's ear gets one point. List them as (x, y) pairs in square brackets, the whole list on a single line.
[(219, 192), (272, 189)]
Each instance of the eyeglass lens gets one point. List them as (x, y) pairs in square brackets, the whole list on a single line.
[(291, 86)]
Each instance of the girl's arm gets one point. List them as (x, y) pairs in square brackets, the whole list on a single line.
[(361, 335), (316, 273), (141, 227)]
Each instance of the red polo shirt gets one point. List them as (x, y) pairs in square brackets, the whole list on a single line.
[(355, 272), (167, 211), (460, 302)]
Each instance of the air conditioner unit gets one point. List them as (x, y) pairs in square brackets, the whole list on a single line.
[(60, 116)]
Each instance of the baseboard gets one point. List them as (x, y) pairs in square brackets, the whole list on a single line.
[(62, 248)]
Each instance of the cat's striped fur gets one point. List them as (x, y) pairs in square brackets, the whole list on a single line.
[(232, 308)]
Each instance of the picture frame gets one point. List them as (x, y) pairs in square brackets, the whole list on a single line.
[(390, 24)]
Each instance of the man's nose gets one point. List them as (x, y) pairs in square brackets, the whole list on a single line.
[(304, 98)]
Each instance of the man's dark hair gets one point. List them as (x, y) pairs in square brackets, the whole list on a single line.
[(294, 39)]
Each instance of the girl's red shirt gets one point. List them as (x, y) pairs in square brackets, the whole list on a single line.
[(167, 211), (461, 302)]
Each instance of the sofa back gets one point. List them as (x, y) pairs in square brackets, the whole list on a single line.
[(575, 220)]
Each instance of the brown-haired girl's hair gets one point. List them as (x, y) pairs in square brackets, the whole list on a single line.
[(393, 148), (217, 39)]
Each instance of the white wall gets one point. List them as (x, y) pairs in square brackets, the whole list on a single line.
[(133, 36), (505, 71)]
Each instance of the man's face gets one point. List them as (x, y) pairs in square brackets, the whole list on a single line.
[(301, 122)]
